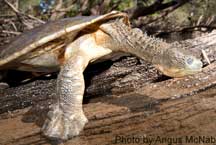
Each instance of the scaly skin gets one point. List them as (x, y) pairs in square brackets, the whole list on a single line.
[(170, 59), (66, 118)]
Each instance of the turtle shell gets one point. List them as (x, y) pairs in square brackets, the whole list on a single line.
[(40, 36)]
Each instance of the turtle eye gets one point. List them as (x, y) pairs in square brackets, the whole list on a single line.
[(189, 61)]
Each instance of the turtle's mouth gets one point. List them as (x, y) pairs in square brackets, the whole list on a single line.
[(178, 72)]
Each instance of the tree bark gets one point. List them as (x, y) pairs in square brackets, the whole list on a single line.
[(125, 99)]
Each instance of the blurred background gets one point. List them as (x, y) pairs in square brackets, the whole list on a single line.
[(173, 20)]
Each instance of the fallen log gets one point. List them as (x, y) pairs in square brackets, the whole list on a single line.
[(147, 112)]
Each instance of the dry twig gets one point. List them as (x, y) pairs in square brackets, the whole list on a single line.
[(11, 32), (20, 13)]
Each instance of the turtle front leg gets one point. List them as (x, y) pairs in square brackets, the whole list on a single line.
[(66, 119)]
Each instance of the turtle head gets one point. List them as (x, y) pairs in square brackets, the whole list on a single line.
[(177, 62)]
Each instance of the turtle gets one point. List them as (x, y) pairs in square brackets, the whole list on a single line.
[(68, 45)]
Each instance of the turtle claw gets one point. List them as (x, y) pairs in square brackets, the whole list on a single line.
[(61, 126)]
